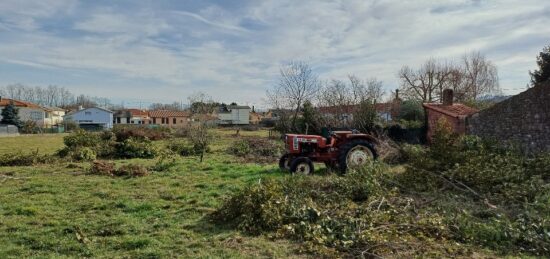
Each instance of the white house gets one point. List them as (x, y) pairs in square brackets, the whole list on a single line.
[(53, 116), (234, 115), (92, 118), (27, 111)]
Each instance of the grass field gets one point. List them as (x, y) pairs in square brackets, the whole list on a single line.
[(59, 211), (45, 144)]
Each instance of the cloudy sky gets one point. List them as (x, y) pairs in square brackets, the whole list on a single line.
[(165, 50)]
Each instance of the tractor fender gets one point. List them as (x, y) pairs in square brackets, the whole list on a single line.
[(365, 137)]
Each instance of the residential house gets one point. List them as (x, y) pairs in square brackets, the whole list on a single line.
[(27, 111), (234, 115), (454, 114), (255, 117), (168, 118), (131, 116), (54, 116), (94, 118)]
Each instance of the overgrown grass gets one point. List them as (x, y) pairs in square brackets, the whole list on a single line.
[(45, 144), (60, 210)]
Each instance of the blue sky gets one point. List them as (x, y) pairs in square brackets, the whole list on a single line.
[(152, 51)]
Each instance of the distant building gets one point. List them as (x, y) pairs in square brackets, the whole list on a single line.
[(94, 118), (131, 116), (42, 116), (168, 118), (454, 113), (234, 115)]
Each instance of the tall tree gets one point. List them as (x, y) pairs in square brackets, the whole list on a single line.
[(297, 84), (426, 83), (543, 73), (10, 115), (481, 75)]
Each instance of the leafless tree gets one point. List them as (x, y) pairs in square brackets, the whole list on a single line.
[(200, 137), (480, 75), (426, 83), (297, 84)]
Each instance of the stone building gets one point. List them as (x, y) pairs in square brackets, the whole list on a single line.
[(522, 120)]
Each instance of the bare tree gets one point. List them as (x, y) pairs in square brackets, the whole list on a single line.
[(297, 84), (480, 75), (200, 137), (426, 83)]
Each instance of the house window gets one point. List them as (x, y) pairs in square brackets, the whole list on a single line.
[(118, 120), (87, 113), (154, 120), (174, 121), (36, 115)]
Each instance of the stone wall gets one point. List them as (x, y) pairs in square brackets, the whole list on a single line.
[(522, 120)]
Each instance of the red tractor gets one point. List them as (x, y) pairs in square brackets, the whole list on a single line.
[(339, 150)]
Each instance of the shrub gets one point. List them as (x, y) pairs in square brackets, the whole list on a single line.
[(135, 148), (140, 132), (83, 154), (24, 159), (131, 171), (81, 138), (109, 169), (166, 160), (99, 167), (184, 149), (258, 149)]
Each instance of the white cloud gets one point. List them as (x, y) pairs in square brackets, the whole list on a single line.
[(218, 49)]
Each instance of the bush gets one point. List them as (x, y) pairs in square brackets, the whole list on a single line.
[(102, 168), (185, 149), (109, 169), (135, 148), (24, 159), (166, 160), (83, 154), (82, 138), (132, 171), (259, 149), (140, 132)]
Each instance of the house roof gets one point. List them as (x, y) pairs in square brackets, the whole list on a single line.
[(454, 110), (18, 103), (168, 113), (77, 111), (138, 112)]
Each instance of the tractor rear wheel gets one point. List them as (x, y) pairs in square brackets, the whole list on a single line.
[(355, 154), (301, 165), (284, 162)]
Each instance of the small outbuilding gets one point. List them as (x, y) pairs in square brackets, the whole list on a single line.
[(454, 113)]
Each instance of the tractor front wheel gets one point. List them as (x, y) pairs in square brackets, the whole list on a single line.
[(301, 165), (356, 154), (284, 162)]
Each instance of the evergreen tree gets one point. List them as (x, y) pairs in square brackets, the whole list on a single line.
[(10, 115), (543, 73), (310, 119)]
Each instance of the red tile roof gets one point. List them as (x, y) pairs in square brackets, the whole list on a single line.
[(18, 103), (137, 112), (455, 110), (167, 113)]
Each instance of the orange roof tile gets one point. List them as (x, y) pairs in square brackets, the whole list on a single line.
[(167, 113), (18, 103), (455, 110)]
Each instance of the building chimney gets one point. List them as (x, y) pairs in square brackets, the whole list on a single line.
[(396, 94), (447, 99), (253, 111), (80, 107)]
